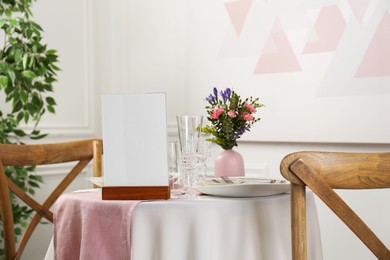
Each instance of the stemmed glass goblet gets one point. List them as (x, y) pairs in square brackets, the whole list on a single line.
[(189, 128)]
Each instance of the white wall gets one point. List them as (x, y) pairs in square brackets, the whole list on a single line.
[(167, 46)]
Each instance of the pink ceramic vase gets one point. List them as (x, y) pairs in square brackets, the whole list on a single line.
[(229, 163)]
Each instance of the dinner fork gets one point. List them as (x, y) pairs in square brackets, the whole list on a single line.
[(227, 180)]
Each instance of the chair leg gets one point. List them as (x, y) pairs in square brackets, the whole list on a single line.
[(298, 222), (6, 216)]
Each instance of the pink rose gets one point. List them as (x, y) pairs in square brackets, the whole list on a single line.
[(232, 113), (250, 107), (216, 113), (247, 117)]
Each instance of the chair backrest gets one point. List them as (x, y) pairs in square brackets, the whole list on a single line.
[(323, 172), (81, 152)]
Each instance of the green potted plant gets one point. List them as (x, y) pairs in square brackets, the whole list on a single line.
[(27, 73)]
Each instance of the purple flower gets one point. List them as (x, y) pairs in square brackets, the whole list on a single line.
[(226, 94), (241, 132), (210, 98), (215, 92)]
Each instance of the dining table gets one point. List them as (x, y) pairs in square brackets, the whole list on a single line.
[(205, 228)]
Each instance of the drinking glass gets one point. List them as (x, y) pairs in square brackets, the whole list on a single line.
[(204, 153), (175, 180), (189, 127)]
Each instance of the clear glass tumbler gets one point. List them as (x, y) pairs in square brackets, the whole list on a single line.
[(175, 180)]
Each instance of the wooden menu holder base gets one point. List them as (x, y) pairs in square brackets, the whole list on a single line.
[(135, 193)]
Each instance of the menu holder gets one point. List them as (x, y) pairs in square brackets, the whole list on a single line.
[(135, 147)]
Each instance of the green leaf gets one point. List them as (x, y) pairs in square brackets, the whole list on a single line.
[(15, 97), (29, 33), (33, 184), (18, 55), (35, 132), (28, 74), (51, 109), (23, 96), (48, 87), (25, 58), (22, 174), (8, 13), (12, 22), (37, 102), (39, 86), (18, 231), (26, 117), (9, 90), (3, 81), (48, 52), (50, 80), (32, 63), (51, 58), (38, 136), (19, 132), (24, 224), (12, 76), (17, 106), (20, 116), (31, 191), (55, 67), (3, 66), (37, 26), (31, 108), (38, 178), (50, 101), (30, 168)]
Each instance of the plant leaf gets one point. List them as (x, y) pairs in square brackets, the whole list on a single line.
[(3, 81), (12, 76), (50, 101), (19, 132), (38, 137), (28, 74), (25, 57), (51, 109)]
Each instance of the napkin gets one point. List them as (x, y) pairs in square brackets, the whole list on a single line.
[(87, 227)]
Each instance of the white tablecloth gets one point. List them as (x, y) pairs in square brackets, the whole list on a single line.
[(214, 228)]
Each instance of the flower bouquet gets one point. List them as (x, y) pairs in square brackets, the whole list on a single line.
[(230, 117)]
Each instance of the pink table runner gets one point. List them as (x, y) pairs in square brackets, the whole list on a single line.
[(87, 227)]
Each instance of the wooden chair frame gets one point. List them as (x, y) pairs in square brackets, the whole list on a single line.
[(324, 171), (82, 152)]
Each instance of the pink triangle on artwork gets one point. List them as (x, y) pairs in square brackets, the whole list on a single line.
[(376, 61), (238, 12), (329, 27), (359, 8), (284, 60)]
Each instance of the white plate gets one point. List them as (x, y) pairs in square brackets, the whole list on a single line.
[(243, 187), (98, 181)]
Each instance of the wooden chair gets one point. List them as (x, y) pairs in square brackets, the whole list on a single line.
[(324, 171), (81, 152)]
